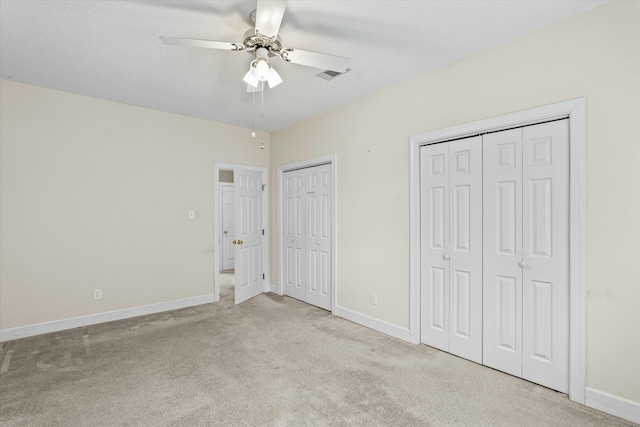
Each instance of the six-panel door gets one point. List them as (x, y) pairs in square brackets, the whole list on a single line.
[(451, 236), (526, 276)]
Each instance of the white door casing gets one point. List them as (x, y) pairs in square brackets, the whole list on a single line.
[(451, 248), (249, 270), (227, 217), (574, 109), (526, 276)]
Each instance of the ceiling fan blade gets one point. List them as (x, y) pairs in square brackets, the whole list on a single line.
[(269, 17), (211, 44), (317, 60)]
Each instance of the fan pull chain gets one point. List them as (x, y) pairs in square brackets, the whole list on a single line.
[(262, 119), (253, 113)]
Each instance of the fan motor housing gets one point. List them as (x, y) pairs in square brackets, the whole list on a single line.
[(254, 40)]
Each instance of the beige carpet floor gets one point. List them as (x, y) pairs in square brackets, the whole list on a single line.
[(271, 361)]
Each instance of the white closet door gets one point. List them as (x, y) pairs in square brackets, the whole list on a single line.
[(294, 234), (465, 265), (318, 235), (434, 241), (451, 273), (526, 211), (502, 242), (545, 255)]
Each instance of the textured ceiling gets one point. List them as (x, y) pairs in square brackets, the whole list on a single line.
[(110, 49)]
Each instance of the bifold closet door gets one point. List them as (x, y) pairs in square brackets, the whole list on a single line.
[(451, 247), (294, 234), (526, 276), (318, 236), (307, 198)]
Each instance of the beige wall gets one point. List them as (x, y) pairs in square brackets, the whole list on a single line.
[(95, 194), (595, 55)]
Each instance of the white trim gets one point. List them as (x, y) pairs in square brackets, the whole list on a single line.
[(217, 167), (273, 288), (107, 316), (373, 323), (331, 159), (575, 110), (614, 405)]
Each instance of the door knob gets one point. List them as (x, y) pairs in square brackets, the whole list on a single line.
[(318, 243), (235, 242), (293, 241), (240, 242), (225, 231), (446, 257), (523, 264)]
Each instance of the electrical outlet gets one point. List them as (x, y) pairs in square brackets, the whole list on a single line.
[(97, 294), (374, 298), (191, 214)]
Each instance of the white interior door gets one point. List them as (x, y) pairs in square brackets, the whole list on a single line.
[(502, 285), (294, 234), (451, 239), (307, 197), (227, 203), (249, 271), (465, 249), (526, 277), (545, 254), (318, 235), (434, 229)]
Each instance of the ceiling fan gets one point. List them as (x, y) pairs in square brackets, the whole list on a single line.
[(263, 42)]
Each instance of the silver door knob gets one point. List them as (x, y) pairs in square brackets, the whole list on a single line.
[(446, 257), (318, 243), (524, 264)]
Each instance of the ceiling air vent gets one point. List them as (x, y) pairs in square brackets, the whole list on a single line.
[(330, 75)]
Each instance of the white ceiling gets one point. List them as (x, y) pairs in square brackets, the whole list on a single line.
[(110, 49)]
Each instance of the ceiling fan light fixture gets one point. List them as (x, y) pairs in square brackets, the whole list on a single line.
[(274, 78), (261, 68), (250, 78)]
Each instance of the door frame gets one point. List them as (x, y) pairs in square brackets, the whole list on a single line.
[(217, 167), (330, 159), (574, 109)]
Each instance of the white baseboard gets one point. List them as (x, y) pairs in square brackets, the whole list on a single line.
[(614, 405), (92, 319), (273, 288), (373, 323)]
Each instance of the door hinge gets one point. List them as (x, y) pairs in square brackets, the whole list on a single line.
[(263, 186), (263, 232), (263, 276)]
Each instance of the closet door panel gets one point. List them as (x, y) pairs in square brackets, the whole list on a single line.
[(545, 254), (318, 238), (294, 235), (465, 293), (434, 276), (502, 251)]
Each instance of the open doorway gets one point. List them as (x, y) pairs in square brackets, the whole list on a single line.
[(240, 232), (226, 213)]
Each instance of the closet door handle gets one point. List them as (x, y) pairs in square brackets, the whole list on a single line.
[(446, 257), (318, 243), (523, 264)]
